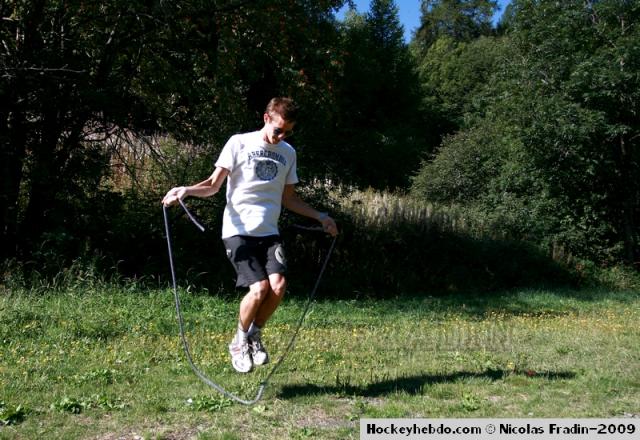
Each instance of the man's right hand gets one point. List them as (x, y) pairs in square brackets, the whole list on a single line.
[(174, 195)]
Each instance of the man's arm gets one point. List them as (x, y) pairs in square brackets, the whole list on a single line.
[(206, 188), (292, 202)]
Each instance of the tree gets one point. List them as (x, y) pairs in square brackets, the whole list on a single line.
[(379, 128), (566, 99), (462, 20), (74, 74), (586, 52), (456, 54), (455, 77)]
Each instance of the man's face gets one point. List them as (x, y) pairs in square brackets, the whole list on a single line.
[(276, 128)]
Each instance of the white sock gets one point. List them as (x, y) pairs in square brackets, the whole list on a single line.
[(241, 335), (253, 328)]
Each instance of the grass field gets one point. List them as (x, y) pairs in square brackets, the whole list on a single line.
[(103, 362)]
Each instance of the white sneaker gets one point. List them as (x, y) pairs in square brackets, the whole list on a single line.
[(240, 356), (257, 350)]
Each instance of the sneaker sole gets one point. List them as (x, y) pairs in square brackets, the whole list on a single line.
[(239, 368), (261, 363)]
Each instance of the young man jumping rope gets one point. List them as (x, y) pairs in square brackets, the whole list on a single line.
[(260, 170)]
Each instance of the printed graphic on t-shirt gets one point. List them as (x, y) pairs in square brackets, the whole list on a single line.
[(266, 169), (267, 154)]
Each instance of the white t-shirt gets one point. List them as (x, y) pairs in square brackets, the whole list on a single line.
[(258, 172)]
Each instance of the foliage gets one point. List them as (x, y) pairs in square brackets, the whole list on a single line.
[(530, 129), (465, 164), (209, 403), (76, 406), (554, 141), (73, 73), (419, 247), (11, 415), (78, 78), (432, 248), (379, 132), (461, 20), (456, 77)]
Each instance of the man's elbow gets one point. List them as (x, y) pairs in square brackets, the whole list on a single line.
[(290, 201)]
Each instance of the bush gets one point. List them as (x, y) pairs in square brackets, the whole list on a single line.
[(394, 244)]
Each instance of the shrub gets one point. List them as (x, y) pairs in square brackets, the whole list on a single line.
[(394, 244)]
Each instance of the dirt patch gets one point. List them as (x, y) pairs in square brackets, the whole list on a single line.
[(155, 432), (319, 418)]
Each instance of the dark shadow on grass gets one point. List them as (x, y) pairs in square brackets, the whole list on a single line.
[(413, 385)]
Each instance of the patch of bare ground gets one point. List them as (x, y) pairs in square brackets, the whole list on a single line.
[(317, 417), (165, 433)]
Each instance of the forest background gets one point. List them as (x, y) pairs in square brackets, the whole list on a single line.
[(477, 156)]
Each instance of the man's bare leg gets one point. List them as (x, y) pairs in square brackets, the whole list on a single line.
[(251, 303), (278, 286)]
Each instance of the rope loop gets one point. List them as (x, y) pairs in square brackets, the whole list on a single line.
[(185, 343)]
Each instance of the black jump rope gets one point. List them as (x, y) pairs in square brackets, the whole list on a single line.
[(185, 344)]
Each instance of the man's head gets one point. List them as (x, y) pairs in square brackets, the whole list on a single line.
[(285, 107), (279, 119)]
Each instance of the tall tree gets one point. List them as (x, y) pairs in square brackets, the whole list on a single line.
[(462, 20), (455, 76), (379, 128)]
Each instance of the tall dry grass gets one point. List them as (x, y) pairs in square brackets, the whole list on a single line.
[(392, 243)]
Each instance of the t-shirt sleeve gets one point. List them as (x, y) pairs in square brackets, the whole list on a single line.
[(226, 158), (292, 176)]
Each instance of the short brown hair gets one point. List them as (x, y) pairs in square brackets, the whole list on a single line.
[(283, 106)]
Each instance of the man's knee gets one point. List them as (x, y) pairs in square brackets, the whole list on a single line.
[(278, 285), (259, 290)]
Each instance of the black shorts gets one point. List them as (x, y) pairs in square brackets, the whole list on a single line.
[(255, 258)]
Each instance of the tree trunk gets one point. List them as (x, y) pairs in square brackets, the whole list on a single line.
[(11, 162), (45, 176), (629, 204)]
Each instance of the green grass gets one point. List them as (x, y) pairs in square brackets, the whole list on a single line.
[(102, 362)]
